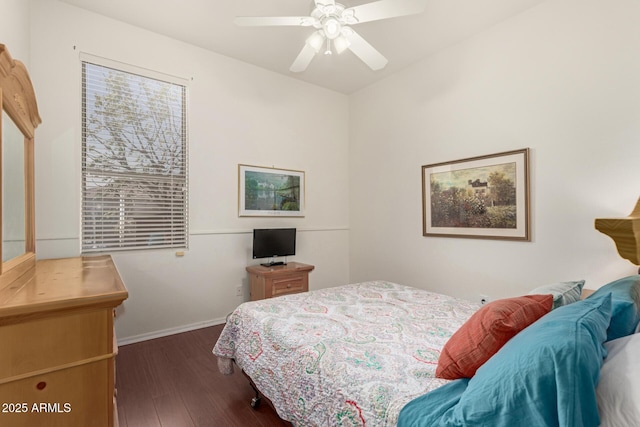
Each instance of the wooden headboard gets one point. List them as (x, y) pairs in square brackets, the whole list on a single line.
[(586, 293), (625, 232)]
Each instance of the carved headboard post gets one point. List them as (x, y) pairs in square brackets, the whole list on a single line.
[(625, 232)]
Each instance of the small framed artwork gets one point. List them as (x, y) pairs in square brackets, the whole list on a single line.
[(484, 197), (264, 191)]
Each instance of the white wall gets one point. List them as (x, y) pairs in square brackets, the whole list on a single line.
[(563, 79), (15, 29), (238, 113)]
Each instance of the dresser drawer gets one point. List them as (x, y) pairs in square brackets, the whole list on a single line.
[(53, 341), (288, 285), (77, 396)]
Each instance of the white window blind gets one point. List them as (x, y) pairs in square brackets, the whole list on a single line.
[(134, 161)]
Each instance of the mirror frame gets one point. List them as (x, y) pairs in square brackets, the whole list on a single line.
[(19, 102)]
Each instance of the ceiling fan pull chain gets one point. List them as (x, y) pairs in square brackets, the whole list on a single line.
[(328, 51)]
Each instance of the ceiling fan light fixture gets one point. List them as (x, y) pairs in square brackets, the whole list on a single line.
[(341, 43), (331, 27), (316, 41)]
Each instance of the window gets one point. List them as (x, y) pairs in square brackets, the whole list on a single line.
[(134, 161)]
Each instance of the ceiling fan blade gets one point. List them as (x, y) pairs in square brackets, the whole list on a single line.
[(384, 9), (303, 60), (363, 50), (251, 21)]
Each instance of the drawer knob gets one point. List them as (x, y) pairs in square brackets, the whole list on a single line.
[(41, 385), (288, 285)]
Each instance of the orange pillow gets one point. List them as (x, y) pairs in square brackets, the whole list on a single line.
[(486, 331)]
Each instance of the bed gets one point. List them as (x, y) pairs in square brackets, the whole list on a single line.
[(373, 354), (358, 352)]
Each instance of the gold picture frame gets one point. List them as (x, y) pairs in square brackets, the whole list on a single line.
[(485, 197)]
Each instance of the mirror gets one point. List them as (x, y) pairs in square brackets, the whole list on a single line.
[(18, 120), (13, 190)]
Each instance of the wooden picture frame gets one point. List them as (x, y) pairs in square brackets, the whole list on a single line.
[(264, 191), (485, 197)]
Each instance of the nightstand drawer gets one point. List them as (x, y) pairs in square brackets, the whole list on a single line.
[(273, 281), (288, 285)]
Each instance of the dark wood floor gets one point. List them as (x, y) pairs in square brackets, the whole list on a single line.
[(174, 382)]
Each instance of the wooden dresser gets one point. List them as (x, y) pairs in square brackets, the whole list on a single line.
[(273, 281), (57, 344)]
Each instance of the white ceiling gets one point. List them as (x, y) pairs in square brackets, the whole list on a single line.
[(403, 41)]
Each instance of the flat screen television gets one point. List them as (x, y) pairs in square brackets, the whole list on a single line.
[(273, 243)]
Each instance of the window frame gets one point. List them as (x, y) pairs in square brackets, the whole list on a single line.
[(143, 221)]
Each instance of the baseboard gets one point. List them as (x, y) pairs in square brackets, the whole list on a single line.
[(170, 331)]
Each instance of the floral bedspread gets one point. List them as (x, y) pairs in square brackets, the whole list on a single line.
[(347, 356)]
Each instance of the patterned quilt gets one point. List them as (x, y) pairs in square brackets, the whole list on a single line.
[(347, 356)]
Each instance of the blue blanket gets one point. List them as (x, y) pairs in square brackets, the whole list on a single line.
[(544, 376), (428, 410)]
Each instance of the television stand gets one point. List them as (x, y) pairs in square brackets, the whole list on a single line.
[(271, 264)]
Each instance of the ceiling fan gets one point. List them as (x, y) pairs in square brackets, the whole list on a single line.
[(333, 22)]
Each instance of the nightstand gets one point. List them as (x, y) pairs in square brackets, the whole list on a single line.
[(273, 281)]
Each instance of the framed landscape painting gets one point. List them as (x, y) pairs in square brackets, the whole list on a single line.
[(484, 197), (270, 192)]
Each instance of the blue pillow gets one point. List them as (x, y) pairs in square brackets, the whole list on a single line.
[(625, 299), (544, 376), (563, 292)]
